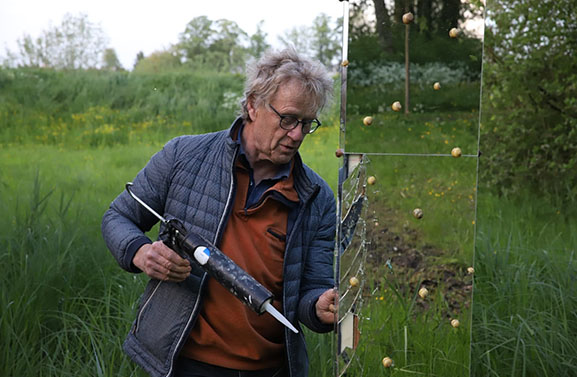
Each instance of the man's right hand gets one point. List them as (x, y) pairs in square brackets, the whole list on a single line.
[(158, 261)]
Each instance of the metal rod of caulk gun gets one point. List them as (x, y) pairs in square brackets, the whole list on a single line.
[(128, 185)]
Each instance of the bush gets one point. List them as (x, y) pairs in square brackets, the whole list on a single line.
[(529, 122), (392, 74)]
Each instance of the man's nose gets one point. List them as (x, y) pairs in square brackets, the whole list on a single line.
[(297, 133)]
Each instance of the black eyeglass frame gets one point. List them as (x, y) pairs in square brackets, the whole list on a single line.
[(317, 123)]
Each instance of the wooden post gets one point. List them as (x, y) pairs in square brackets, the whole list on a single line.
[(407, 69)]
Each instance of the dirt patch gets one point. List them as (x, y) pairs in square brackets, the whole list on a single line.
[(397, 255)]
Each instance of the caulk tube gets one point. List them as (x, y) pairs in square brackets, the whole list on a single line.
[(226, 272), (218, 266)]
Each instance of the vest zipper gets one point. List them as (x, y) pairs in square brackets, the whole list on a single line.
[(144, 306), (305, 202), (182, 336), (196, 305)]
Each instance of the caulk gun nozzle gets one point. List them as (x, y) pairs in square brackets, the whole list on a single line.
[(279, 317)]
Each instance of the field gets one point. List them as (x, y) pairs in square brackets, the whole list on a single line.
[(66, 305)]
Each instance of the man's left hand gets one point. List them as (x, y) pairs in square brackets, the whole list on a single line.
[(326, 306)]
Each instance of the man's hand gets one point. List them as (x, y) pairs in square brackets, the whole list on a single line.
[(160, 262), (326, 306)]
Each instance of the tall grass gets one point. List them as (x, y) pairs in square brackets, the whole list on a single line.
[(65, 304), (525, 298), (419, 342), (92, 108), (62, 305)]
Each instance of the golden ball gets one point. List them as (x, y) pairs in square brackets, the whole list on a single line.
[(345, 63), (436, 86), (367, 121), (396, 106), (454, 32), (418, 213), (354, 282), (387, 362), (455, 323), (423, 292), (456, 152), (408, 18), (371, 180)]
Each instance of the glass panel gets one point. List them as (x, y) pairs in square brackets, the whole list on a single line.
[(407, 192), (439, 111), (351, 261)]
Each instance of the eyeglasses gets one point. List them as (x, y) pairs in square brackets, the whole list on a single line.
[(288, 122)]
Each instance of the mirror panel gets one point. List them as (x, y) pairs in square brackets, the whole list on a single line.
[(407, 193)]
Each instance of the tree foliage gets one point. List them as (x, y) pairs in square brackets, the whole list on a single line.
[(530, 97), (110, 61), (378, 34), (321, 40), (257, 42), (298, 37), (76, 43), (158, 62), (325, 39), (218, 44)]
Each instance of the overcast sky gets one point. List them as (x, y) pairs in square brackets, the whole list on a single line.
[(132, 26)]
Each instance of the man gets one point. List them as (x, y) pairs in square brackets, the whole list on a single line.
[(247, 191)]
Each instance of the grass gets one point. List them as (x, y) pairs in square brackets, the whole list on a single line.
[(64, 302), (66, 305), (419, 342), (525, 292), (418, 133)]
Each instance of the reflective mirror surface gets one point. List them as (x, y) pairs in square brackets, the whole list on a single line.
[(408, 189)]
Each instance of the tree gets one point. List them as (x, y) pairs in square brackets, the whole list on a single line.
[(139, 57), (530, 97), (325, 39), (76, 43), (218, 45), (257, 42), (195, 39), (431, 17), (298, 37), (158, 62), (383, 26), (230, 42), (320, 41), (110, 60)]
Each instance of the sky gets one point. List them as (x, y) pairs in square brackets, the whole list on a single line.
[(132, 26)]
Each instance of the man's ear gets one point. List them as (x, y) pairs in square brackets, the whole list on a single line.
[(251, 109)]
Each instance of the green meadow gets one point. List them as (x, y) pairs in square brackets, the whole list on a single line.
[(71, 140)]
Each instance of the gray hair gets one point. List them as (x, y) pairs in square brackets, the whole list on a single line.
[(277, 68)]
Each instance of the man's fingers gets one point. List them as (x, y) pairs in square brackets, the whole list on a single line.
[(162, 263), (327, 306), (164, 274), (171, 257)]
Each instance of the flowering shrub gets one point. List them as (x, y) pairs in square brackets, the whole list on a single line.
[(392, 74)]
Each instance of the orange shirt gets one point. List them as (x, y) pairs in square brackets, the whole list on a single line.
[(228, 333)]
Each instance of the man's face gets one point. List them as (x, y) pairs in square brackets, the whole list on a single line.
[(266, 140)]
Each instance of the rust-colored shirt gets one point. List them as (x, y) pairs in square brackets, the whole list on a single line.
[(228, 333)]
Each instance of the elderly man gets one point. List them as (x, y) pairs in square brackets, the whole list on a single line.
[(246, 190)]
